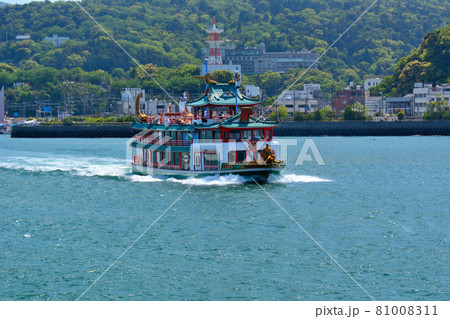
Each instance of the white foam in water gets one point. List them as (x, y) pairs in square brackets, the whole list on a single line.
[(214, 180), (145, 178), (224, 180), (101, 166), (84, 166), (294, 178)]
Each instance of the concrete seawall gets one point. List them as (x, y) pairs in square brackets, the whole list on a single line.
[(74, 131), (345, 128), (362, 128)]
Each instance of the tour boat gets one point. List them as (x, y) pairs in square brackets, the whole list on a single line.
[(214, 134)]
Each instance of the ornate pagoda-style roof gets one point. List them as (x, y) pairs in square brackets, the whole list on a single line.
[(235, 122), (222, 94)]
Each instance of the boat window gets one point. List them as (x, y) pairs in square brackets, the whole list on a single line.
[(225, 136), (209, 136), (232, 157), (197, 160), (237, 156), (176, 156), (234, 135), (215, 159), (246, 135), (258, 135), (240, 156), (211, 159), (170, 158)]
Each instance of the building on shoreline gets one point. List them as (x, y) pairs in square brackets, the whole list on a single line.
[(406, 103), (349, 96), (127, 104), (305, 101), (375, 104), (426, 93)]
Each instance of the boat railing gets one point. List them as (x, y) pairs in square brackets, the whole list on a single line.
[(211, 167), (163, 141), (167, 166)]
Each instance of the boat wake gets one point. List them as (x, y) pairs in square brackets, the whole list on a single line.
[(84, 166), (213, 180), (225, 180), (294, 178), (113, 167)]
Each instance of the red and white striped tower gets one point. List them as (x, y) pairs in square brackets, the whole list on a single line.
[(214, 44)]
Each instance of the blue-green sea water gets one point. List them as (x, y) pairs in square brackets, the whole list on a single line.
[(380, 206)]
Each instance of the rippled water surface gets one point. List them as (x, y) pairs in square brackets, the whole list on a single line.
[(70, 207)]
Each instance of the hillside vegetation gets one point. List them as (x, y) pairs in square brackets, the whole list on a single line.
[(430, 63), (167, 36)]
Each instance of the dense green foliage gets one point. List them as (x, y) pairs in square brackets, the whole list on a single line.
[(430, 63), (280, 113), (171, 33), (437, 110), (322, 114), (401, 115), (167, 37), (356, 111)]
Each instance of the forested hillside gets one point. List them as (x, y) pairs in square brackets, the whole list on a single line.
[(430, 63), (168, 35)]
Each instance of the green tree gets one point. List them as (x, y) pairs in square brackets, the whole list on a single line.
[(401, 115), (280, 113), (437, 110), (270, 82), (222, 76), (351, 114), (300, 116)]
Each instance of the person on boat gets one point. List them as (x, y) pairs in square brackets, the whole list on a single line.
[(268, 155)]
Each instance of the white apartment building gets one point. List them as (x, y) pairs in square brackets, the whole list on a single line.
[(306, 100), (252, 91), (129, 96), (426, 93), (369, 83), (375, 104)]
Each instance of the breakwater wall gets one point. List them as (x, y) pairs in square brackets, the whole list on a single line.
[(362, 128), (74, 131), (344, 128)]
